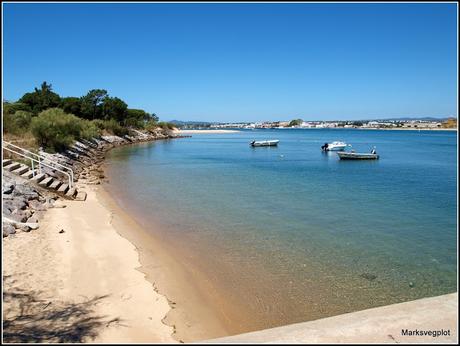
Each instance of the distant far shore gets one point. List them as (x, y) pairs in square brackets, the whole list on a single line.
[(206, 131), (409, 129), (322, 128)]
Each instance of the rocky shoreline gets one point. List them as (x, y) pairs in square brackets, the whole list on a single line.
[(24, 204)]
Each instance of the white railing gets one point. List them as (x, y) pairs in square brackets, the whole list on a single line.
[(41, 160)]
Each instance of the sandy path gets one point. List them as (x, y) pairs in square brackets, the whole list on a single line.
[(81, 284)]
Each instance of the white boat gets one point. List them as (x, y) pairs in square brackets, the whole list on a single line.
[(334, 146), (271, 143), (351, 155)]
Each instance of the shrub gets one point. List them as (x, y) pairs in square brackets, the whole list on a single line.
[(150, 125), (111, 126), (137, 123), (56, 130), (89, 129), (165, 125), (11, 108), (17, 123)]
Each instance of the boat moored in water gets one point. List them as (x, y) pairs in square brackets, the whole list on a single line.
[(351, 155), (334, 146), (270, 143)]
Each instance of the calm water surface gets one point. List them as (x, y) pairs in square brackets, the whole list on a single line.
[(290, 234)]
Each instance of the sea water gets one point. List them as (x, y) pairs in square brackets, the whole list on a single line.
[(291, 234)]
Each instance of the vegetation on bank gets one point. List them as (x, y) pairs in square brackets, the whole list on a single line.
[(450, 123), (295, 122), (55, 122)]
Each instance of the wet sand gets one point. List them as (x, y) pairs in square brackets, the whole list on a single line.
[(194, 313)]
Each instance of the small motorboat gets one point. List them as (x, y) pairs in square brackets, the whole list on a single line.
[(351, 155), (271, 143), (334, 146)]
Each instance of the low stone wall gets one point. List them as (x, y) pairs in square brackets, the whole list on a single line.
[(23, 205), (428, 320)]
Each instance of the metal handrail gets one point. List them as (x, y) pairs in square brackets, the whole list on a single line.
[(42, 158), (40, 163)]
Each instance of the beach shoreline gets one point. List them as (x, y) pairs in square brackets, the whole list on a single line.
[(165, 293), (169, 278), (91, 259), (77, 264)]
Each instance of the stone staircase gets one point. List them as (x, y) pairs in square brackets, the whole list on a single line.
[(43, 180)]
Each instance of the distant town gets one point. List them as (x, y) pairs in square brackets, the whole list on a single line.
[(425, 123)]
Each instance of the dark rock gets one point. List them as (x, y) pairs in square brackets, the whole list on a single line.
[(25, 191), (368, 276), (19, 216), (7, 188), (61, 231), (15, 203), (39, 214), (36, 205), (23, 228), (32, 219), (8, 229)]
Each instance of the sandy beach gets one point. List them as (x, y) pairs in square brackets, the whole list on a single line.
[(189, 293), (92, 260), (77, 273)]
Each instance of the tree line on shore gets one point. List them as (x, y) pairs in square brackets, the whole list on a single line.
[(56, 122)]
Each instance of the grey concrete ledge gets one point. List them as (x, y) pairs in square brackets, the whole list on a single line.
[(378, 325)]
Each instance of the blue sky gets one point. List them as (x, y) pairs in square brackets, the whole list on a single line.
[(240, 62)]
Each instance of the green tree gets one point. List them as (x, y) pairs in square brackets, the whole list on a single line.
[(295, 122), (114, 108), (91, 103), (138, 118), (154, 117), (71, 105), (41, 99)]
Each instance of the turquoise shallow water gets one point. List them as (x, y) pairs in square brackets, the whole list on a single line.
[(291, 234)]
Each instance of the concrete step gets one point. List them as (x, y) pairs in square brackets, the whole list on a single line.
[(81, 196), (63, 188), (12, 166), (55, 184), (45, 182), (21, 170), (71, 192), (7, 162), (38, 178), (29, 174)]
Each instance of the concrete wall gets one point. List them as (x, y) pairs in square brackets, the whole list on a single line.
[(378, 325)]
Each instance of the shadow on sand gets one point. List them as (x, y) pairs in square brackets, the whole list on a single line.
[(29, 318)]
